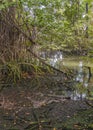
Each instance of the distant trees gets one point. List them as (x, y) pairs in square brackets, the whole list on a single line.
[(26, 25), (51, 24)]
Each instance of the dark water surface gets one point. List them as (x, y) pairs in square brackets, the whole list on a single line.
[(83, 68)]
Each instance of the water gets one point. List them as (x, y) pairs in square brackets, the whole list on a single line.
[(82, 81)]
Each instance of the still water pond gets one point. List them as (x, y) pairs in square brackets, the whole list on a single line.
[(83, 68)]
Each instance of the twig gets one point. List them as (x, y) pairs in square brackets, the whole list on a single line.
[(88, 103)]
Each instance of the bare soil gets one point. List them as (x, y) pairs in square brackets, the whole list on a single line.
[(26, 108)]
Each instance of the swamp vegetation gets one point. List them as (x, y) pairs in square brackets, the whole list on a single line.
[(46, 65)]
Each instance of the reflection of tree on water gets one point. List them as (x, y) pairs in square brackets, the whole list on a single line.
[(53, 57), (83, 79), (79, 77), (89, 73)]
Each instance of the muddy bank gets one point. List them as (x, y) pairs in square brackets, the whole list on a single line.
[(26, 108)]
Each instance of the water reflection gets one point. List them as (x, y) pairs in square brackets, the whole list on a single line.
[(52, 57), (53, 60), (79, 76), (81, 79), (78, 96)]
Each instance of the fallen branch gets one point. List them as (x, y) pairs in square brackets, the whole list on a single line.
[(57, 96), (13, 24), (88, 103)]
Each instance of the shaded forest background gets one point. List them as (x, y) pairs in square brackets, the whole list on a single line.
[(29, 27)]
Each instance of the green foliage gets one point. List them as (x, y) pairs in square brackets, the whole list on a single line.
[(11, 72), (52, 24), (6, 4), (57, 22)]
